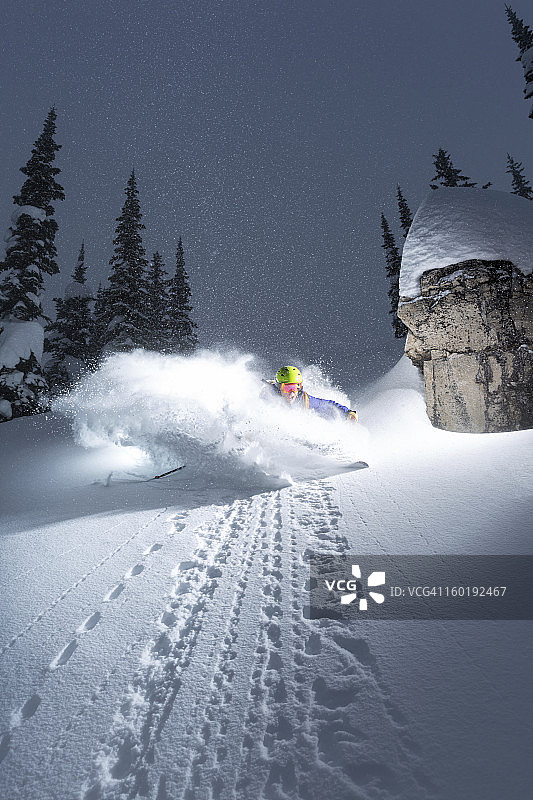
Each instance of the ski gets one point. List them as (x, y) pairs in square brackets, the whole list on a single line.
[(138, 479)]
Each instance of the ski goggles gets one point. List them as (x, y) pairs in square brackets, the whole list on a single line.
[(289, 388)]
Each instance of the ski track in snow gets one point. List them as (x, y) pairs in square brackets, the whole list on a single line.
[(29, 708), (293, 727), (78, 583), (268, 720), (264, 713), (330, 712), (122, 764), (210, 751)]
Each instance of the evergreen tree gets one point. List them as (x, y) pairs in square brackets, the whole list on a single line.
[(521, 185), (30, 253), (394, 262), (124, 311), (446, 173), (406, 218), (157, 304), (56, 371), (181, 335), (96, 344), (80, 271), (70, 336), (522, 34)]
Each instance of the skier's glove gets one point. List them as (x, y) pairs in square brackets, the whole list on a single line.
[(352, 416)]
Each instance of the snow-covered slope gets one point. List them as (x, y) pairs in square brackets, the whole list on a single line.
[(155, 641)]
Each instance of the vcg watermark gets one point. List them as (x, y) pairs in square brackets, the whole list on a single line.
[(351, 589), (420, 587)]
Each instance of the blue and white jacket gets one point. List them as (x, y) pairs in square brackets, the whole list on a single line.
[(328, 409)]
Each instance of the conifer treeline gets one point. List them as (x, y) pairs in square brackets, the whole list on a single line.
[(142, 306)]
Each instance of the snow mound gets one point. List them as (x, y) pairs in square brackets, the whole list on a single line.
[(404, 375), (18, 340), (31, 211), (36, 214), (455, 225), (393, 409), (206, 411), (6, 410)]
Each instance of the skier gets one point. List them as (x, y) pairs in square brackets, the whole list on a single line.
[(288, 385)]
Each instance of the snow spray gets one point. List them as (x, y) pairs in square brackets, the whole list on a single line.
[(208, 411)]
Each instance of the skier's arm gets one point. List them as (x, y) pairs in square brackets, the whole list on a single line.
[(329, 408)]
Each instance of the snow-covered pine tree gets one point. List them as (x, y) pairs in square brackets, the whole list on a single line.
[(406, 218), (521, 33), (157, 305), (56, 372), (523, 36), (30, 253), (96, 344), (70, 336), (181, 329), (446, 173), (394, 262), (521, 185), (124, 300)]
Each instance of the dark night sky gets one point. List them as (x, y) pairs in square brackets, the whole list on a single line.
[(270, 136)]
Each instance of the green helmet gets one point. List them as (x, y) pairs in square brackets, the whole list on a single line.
[(288, 375)]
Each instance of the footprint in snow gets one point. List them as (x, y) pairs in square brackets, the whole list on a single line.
[(30, 707), (136, 570), (5, 741), (114, 592), (62, 658), (90, 623), (168, 619), (26, 712), (332, 696), (356, 647), (152, 548), (184, 566), (313, 645)]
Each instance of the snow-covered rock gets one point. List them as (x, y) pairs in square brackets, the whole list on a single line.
[(456, 225), (466, 291)]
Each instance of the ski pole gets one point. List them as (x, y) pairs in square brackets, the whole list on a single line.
[(176, 469)]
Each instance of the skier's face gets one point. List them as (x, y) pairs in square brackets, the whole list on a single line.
[(290, 391)]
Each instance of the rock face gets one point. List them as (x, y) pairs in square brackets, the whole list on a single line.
[(471, 331)]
